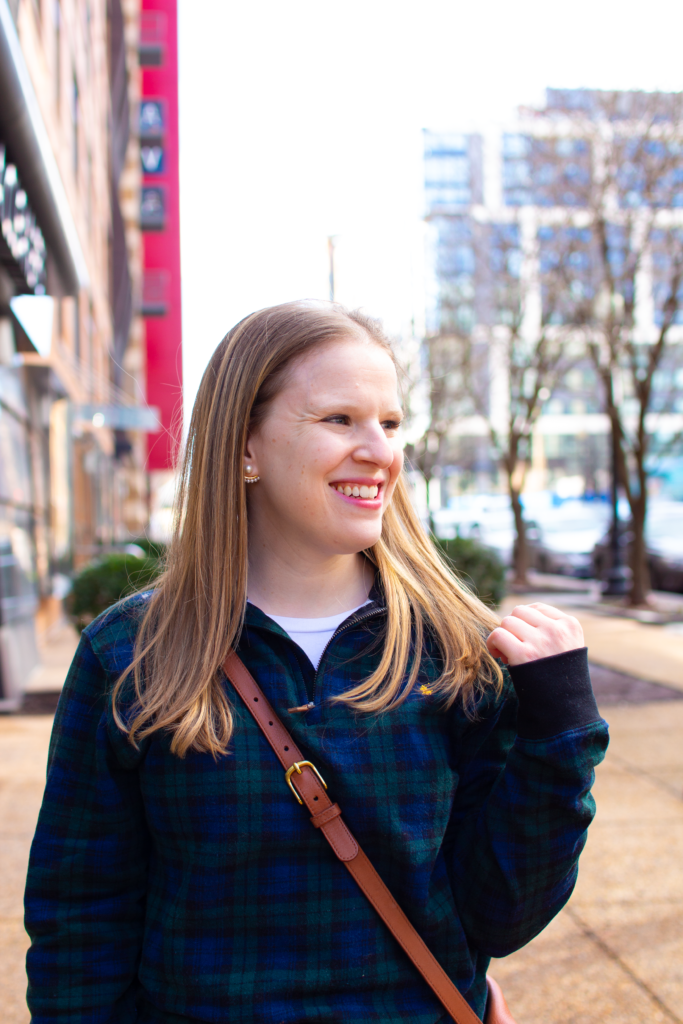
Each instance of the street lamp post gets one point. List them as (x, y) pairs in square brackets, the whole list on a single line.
[(617, 577)]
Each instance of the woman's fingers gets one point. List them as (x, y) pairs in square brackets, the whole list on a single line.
[(520, 627), (535, 631), (546, 609), (529, 613), (504, 645)]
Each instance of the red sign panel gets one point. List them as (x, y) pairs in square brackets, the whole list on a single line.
[(160, 221)]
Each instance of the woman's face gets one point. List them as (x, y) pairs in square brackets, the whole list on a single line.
[(328, 452)]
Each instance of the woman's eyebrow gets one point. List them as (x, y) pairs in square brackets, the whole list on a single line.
[(344, 408)]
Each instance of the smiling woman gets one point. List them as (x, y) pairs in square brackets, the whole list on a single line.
[(329, 455), (304, 397), (172, 877)]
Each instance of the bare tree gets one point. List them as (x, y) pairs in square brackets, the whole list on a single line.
[(589, 264), (495, 358), (624, 284), (528, 354), (437, 396)]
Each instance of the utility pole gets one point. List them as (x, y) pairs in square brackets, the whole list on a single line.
[(331, 239)]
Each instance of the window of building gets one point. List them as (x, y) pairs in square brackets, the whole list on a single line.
[(91, 347), (152, 209), (77, 329), (75, 118), (89, 187), (152, 45), (451, 180), (57, 22), (87, 31), (667, 287), (151, 121), (152, 159)]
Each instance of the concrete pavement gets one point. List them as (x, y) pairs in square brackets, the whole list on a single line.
[(614, 955), (23, 754), (650, 652), (24, 741)]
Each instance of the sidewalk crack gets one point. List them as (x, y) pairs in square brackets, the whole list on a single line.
[(609, 952), (640, 773)]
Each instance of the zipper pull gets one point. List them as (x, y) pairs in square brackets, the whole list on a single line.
[(304, 707)]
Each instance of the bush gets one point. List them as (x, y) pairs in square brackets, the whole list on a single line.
[(105, 582), (479, 567), (152, 548)]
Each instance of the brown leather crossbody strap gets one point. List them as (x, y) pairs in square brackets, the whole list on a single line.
[(309, 789)]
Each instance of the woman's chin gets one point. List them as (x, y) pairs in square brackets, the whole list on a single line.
[(358, 540)]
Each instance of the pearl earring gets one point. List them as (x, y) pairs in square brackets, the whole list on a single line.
[(250, 476)]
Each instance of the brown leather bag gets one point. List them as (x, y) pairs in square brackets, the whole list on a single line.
[(325, 815)]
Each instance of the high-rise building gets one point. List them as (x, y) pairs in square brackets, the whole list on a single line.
[(453, 185), (453, 172), (540, 242)]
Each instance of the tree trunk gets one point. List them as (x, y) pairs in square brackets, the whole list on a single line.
[(640, 583), (430, 518), (521, 554)]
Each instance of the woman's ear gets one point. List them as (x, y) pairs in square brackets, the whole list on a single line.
[(251, 473)]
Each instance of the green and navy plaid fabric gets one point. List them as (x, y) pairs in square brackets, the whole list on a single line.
[(169, 890)]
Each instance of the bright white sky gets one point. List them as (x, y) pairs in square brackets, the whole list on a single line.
[(303, 119)]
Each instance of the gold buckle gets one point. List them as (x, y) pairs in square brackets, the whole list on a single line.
[(296, 767)]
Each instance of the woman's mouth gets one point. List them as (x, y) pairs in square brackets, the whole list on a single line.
[(364, 492)]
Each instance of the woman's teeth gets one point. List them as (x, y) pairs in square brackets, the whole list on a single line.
[(354, 491)]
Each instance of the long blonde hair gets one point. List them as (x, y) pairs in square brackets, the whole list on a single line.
[(197, 610)]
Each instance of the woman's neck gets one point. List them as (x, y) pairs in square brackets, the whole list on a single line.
[(308, 589)]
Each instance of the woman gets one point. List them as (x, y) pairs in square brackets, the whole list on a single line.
[(173, 877)]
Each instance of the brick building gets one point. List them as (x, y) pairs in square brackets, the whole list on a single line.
[(73, 409)]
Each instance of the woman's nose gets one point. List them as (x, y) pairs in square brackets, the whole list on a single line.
[(375, 447)]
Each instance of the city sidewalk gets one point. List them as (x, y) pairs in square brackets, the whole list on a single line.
[(639, 649), (614, 955), (24, 742), (23, 755)]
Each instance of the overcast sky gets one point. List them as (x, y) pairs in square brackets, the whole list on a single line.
[(303, 119)]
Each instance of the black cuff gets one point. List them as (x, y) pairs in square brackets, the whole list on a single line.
[(555, 694)]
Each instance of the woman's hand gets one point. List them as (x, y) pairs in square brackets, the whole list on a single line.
[(533, 631)]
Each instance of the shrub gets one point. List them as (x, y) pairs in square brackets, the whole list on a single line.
[(152, 548), (105, 582), (479, 567)]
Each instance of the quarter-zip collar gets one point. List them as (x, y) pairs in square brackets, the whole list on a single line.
[(257, 620)]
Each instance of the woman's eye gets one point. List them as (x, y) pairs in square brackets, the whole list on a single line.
[(343, 420)]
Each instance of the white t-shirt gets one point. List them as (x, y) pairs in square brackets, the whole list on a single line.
[(313, 635)]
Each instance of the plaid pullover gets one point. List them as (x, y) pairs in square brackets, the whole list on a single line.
[(169, 890)]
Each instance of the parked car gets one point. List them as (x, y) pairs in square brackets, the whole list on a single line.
[(664, 541), (664, 536), (561, 535), (566, 536), (486, 518), (602, 552)]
